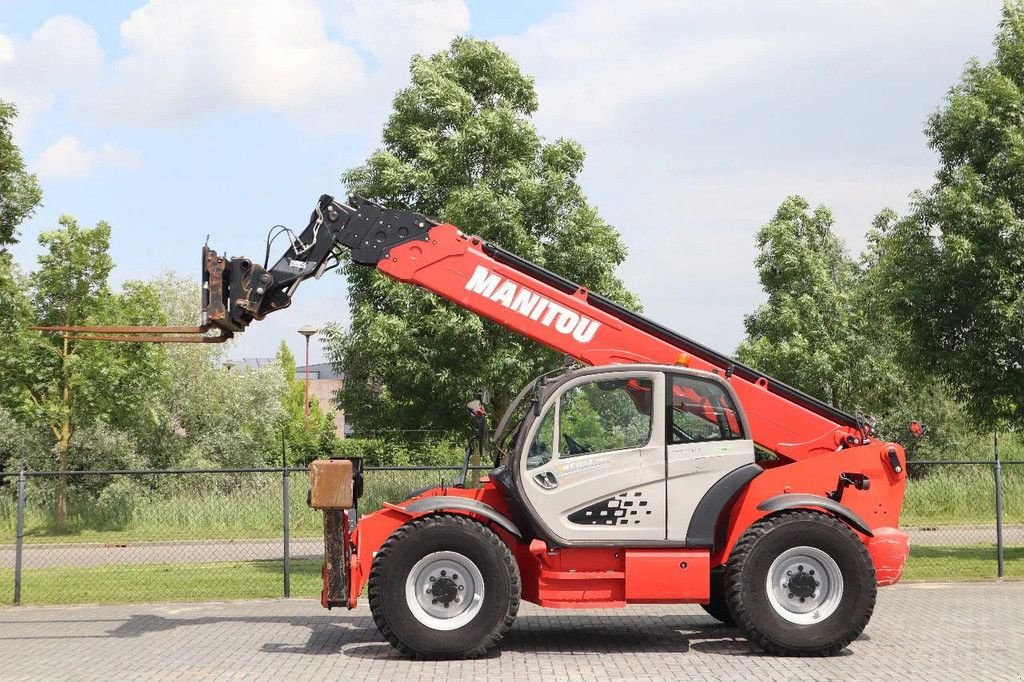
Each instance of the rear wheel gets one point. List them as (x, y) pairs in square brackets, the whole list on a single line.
[(428, 593), (800, 583)]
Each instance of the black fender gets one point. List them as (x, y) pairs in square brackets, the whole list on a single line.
[(794, 500), (704, 522), (447, 502)]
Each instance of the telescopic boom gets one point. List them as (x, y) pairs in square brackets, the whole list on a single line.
[(520, 295)]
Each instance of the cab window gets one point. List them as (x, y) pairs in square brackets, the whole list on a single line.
[(604, 415), (701, 411)]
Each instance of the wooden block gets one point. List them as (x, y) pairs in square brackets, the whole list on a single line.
[(336, 556), (330, 483)]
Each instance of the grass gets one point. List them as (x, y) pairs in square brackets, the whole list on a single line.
[(113, 584), (250, 509), (965, 562), (943, 495)]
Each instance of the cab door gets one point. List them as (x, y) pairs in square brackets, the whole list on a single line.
[(707, 437), (594, 465)]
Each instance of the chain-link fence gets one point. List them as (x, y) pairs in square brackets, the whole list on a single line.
[(248, 533), (172, 535), (965, 519)]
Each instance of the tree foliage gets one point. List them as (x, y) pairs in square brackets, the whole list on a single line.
[(71, 287), (20, 193), (460, 145), (15, 318), (826, 330), (65, 384), (20, 444), (802, 334), (208, 414), (953, 270)]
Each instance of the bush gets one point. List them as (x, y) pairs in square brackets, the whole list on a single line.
[(115, 507), (381, 452), (18, 440)]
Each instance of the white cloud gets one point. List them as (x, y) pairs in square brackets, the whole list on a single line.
[(189, 58), (64, 52), (393, 30), (62, 55), (600, 60), (6, 49), (68, 159), (186, 59)]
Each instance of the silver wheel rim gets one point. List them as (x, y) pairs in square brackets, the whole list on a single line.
[(444, 590), (804, 585)]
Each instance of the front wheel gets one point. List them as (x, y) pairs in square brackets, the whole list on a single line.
[(800, 583), (444, 586)]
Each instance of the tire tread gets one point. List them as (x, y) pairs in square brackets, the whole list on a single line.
[(735, 579)]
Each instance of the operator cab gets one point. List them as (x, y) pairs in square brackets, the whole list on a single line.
[(622, 454)]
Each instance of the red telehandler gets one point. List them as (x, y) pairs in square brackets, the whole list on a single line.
[(633, 480)]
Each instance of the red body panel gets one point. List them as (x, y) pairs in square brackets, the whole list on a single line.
[(615, 576), (879, 506), (667, 575), (888, 549)]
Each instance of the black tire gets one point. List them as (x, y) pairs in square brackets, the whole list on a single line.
[(718, 607), (747, 591), (421, 538)]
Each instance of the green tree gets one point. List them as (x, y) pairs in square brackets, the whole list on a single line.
[(207, 413), (19, 196), (826, 330), (66, 384), (18, 443), (15, 318), (20, 193), (953, 269), (304, 440), (460, 145), (804, 333)]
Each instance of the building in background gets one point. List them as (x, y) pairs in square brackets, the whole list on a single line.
[(323, 383)]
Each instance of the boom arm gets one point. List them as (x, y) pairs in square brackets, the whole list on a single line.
[(524, 297)]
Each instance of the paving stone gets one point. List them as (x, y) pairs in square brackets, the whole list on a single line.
[(967, 631)]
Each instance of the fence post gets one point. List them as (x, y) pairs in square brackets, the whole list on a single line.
[(999, 504), (20, 539), (286, 521)]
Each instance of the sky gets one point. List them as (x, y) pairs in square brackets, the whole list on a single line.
[(177, 119)]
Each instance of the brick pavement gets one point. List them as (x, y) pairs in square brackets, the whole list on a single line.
[(919, 632)]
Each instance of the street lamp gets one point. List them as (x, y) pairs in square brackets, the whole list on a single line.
[(307, 331)]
